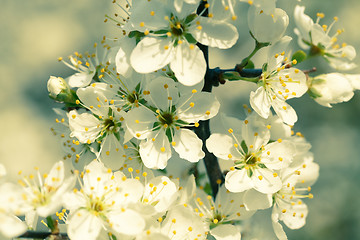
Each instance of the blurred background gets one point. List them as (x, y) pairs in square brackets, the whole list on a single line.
[(35, 33)]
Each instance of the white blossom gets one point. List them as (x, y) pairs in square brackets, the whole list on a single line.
[(317, 39)]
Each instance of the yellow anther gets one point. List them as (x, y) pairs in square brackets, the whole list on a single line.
[(168, 34), (260, 177), (229, 156), (230, 130), (234, 18), (162, 149), (142, 24), (320, 15), (190, 229), (192, 104), (283, 211), (166, 47), (130, 169), (275, 174), (232, 168), (173, 144), (138, 134), (281, 159), (152, 13), (279, 140), (246, 121), (218, 181), (146, 32), (215, 221), (207, 112), (294, 62), (196, 124), (191, 46), (284, 107), (60, 59)]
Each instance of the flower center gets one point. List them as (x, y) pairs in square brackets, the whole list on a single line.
[(109, 124), (133, 97), (177, 29), (166, 119)]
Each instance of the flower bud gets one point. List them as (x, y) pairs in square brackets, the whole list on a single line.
[(331, 88), (56, 85)]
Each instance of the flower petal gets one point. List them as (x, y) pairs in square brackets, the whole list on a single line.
[(188, 145), (260, 102), (238, 181), (226, 232), (214, 33), (151, 54), (188, 64)]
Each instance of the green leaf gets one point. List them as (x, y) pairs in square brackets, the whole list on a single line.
[(168, 134), (181, 122), (299, 56), (313, 93), (161, 31), (244, 147), (264, 67), (190, 38), (261, 165), (190, 18), (250, 172)]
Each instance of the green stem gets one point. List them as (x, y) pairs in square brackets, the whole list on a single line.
[(258, 46)]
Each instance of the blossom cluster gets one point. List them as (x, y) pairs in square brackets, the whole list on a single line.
[(133, 121)]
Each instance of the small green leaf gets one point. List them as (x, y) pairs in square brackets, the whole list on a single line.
[(190, 38), (299, 56), (244, 147), (313, 93), (250, 172), (190, 18), (261, 165), (168, 134)]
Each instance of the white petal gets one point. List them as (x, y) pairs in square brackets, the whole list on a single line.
[(188, 145), (260, 102), (140, 121), (284, 111), (205, 106), (278, 229), (55, 177), (215, 33), (11, 226), (151, 151), (226, 232), (94, 99), (150, 54), (81, 79), (238, 181), (222, 145), (161, 89), (112, 152), (265, 182), (161, 195), (188, 64), (84, 126), (303, 22), (128, 222), (122, 59), (83, 225), (267, 27), (254, 200), (278, 155)]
